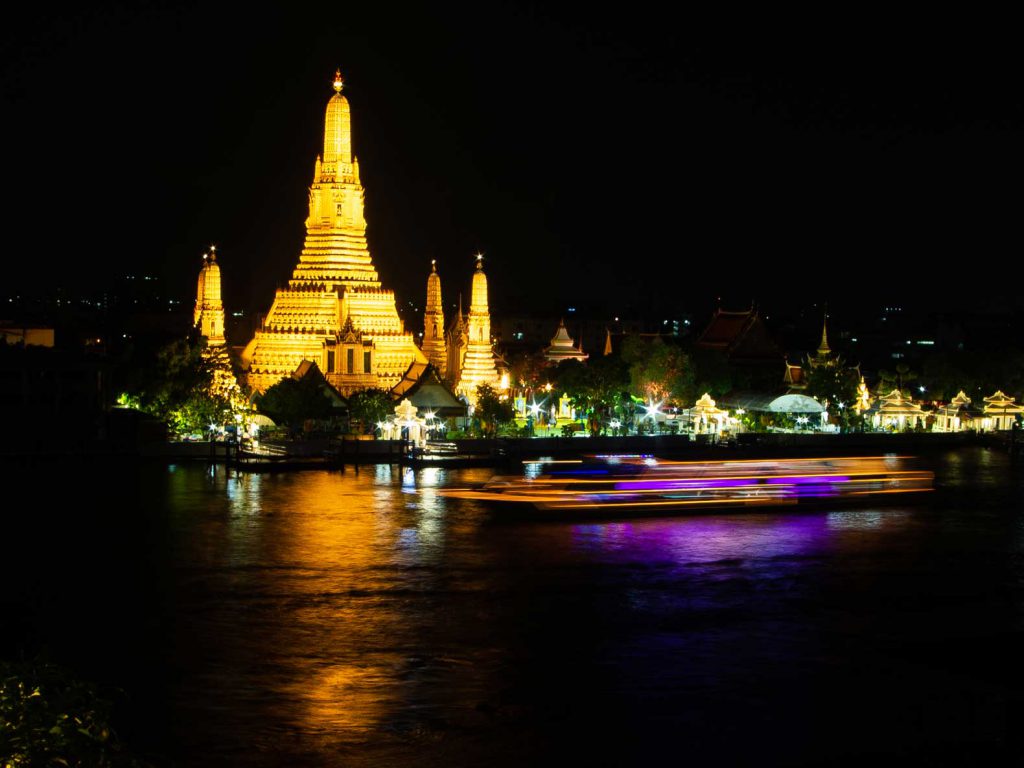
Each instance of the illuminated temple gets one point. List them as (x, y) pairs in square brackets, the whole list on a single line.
[(434, 346), (477, 364), (208, 319), (208, 316), (334, 311)]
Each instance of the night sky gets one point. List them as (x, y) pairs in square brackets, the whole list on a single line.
[(623, 162)]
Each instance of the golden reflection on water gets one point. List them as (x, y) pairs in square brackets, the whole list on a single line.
[(355, 608), (333, 568)]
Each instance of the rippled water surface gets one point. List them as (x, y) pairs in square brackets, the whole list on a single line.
[(329, 618)]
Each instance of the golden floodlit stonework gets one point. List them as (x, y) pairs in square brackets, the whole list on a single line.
[(433, 323), (209, 312), (334, 311), (478, 362)]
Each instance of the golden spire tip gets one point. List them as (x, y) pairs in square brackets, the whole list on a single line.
[(338, 82)]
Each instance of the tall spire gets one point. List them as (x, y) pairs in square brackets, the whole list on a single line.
[(433, 322), (479, 365), (823, 348), (478, 299), (209, 311), (337, 128)]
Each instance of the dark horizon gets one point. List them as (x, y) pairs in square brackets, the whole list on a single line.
[(596, 161)]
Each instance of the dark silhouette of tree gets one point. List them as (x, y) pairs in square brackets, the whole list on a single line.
[(292, 401), (367, 407), (491, 411)]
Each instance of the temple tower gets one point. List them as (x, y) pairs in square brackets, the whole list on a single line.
[(478, 367), (457, 342), (209, 311), (823, 348), (334, 294), (823, 355), (433, 323), (562, 347)]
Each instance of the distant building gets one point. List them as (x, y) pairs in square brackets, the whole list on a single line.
[(742, 337), (17, 336), (562, 348)]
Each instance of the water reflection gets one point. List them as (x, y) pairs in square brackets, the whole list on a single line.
[(731, 537), (362, 618)]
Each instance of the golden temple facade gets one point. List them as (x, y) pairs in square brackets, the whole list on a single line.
[(208, 316), (434, 346), (334, 311), (478, 362)]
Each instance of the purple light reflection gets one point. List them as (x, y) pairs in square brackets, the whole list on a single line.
[(706, 539)]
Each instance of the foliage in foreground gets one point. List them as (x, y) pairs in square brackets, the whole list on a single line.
[(491, 411), (178, 387), (292, 401), (367, 407), (50, 718)]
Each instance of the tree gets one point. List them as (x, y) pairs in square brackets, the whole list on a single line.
[(712, 373), (51, 717), (835, 386), (527, 370), (596, 389), (176, 386), (898, 379), (367, 408), (292, 401), (492, 411), (658, 371)]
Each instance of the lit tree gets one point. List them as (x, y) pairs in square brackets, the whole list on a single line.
[(491, 411), (657, 371), (835, 386), (368, 407), (596, 389), (178, 387)]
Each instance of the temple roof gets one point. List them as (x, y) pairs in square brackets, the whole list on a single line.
[(895, 404), (771, 403), (741, 335), (424, 388), (562, 347), (1000, 402)]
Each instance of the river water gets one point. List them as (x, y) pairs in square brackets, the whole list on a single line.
[(361, 619)]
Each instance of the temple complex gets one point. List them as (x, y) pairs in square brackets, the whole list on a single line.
[(478, 363), (433, 323), (334, 311), (562, 347)]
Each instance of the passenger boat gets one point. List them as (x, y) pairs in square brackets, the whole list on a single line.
[(640, 484)]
